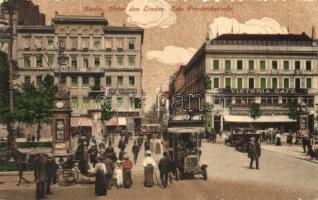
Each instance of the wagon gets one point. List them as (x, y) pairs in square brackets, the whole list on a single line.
[(184, 146)]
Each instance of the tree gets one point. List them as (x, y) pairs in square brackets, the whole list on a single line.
[(207, 109), (106, 111), (255, 111), (293, 111), (34, 104), (6, 117)]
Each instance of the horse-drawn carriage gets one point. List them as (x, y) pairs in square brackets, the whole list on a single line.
[(184, 146)]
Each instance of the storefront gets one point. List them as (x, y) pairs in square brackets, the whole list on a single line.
[(232, 108)]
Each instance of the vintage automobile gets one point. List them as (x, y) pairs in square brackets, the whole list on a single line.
[(239, 138), (184, 146)]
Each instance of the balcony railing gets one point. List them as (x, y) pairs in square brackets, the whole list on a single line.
[(244, 109)]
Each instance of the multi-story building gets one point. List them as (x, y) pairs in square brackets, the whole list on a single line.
[(89, 58), (274, 71)]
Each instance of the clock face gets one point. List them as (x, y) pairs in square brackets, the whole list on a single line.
[(59, 104)]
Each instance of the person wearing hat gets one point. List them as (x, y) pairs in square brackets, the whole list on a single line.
[(164, 168), (118, 173), (135, 150), (127, 166), (254, 152), (109, 163), (100, 179), (51, 169), (149, 166)]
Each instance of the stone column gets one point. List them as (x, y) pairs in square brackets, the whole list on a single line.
[(221, 122)]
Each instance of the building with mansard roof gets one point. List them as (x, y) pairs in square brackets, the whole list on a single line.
[(273, 71)]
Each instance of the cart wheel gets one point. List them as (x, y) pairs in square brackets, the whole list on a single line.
[(204, 174)]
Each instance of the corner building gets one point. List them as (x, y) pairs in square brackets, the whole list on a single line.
[(272, 70), (98, 59)]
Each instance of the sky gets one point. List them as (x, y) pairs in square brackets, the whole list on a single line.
[(175, 29)]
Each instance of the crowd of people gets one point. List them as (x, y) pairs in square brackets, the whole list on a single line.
[(114, 168)]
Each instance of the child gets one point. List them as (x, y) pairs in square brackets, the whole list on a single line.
[(118, 172)]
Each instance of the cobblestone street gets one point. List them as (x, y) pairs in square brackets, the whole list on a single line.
[(281, 176)]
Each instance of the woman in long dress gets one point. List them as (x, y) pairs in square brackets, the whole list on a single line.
[(100, 181)]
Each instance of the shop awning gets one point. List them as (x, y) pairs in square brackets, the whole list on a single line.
[(116, 121), (81, 121), (261, 119)]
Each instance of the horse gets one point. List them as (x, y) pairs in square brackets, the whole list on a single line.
[(22, 161)]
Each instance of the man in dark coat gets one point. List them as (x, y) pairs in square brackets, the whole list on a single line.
[(110, 148), (164, 168), (254, 152), (40, 175), (135, 151), (121, 155), (82, 156), (93, 152), (51, 168), (122, 144), (140, 141), (109, 163)]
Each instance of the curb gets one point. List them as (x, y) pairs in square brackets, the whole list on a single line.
[(313, 161)]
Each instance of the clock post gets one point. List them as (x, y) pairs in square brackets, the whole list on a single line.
[(61, 124)]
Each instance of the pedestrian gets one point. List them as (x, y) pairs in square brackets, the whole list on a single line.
[(254, 152), (118, 173), (112, 138), (82, 156), (140, 141), (135, 151), (109, 163), (33, 138), (311, 143), (122, 144), (304, 143), (121, 155), (100, 179), (278, 141), (164, 168), (127, 166), (149, 166), (289, 138), (51, 169), (147, 145), (110, 148), (40, 176), (93, 152)]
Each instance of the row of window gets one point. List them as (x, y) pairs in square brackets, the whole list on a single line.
[(262, 65), (262, 83), (108, 61), (86, 81), (119, 103), (74, 43)]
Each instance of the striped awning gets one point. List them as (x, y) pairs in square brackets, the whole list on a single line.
[(261, 119), (81, 121)]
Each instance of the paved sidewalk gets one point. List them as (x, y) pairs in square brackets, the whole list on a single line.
[(293, 151)]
